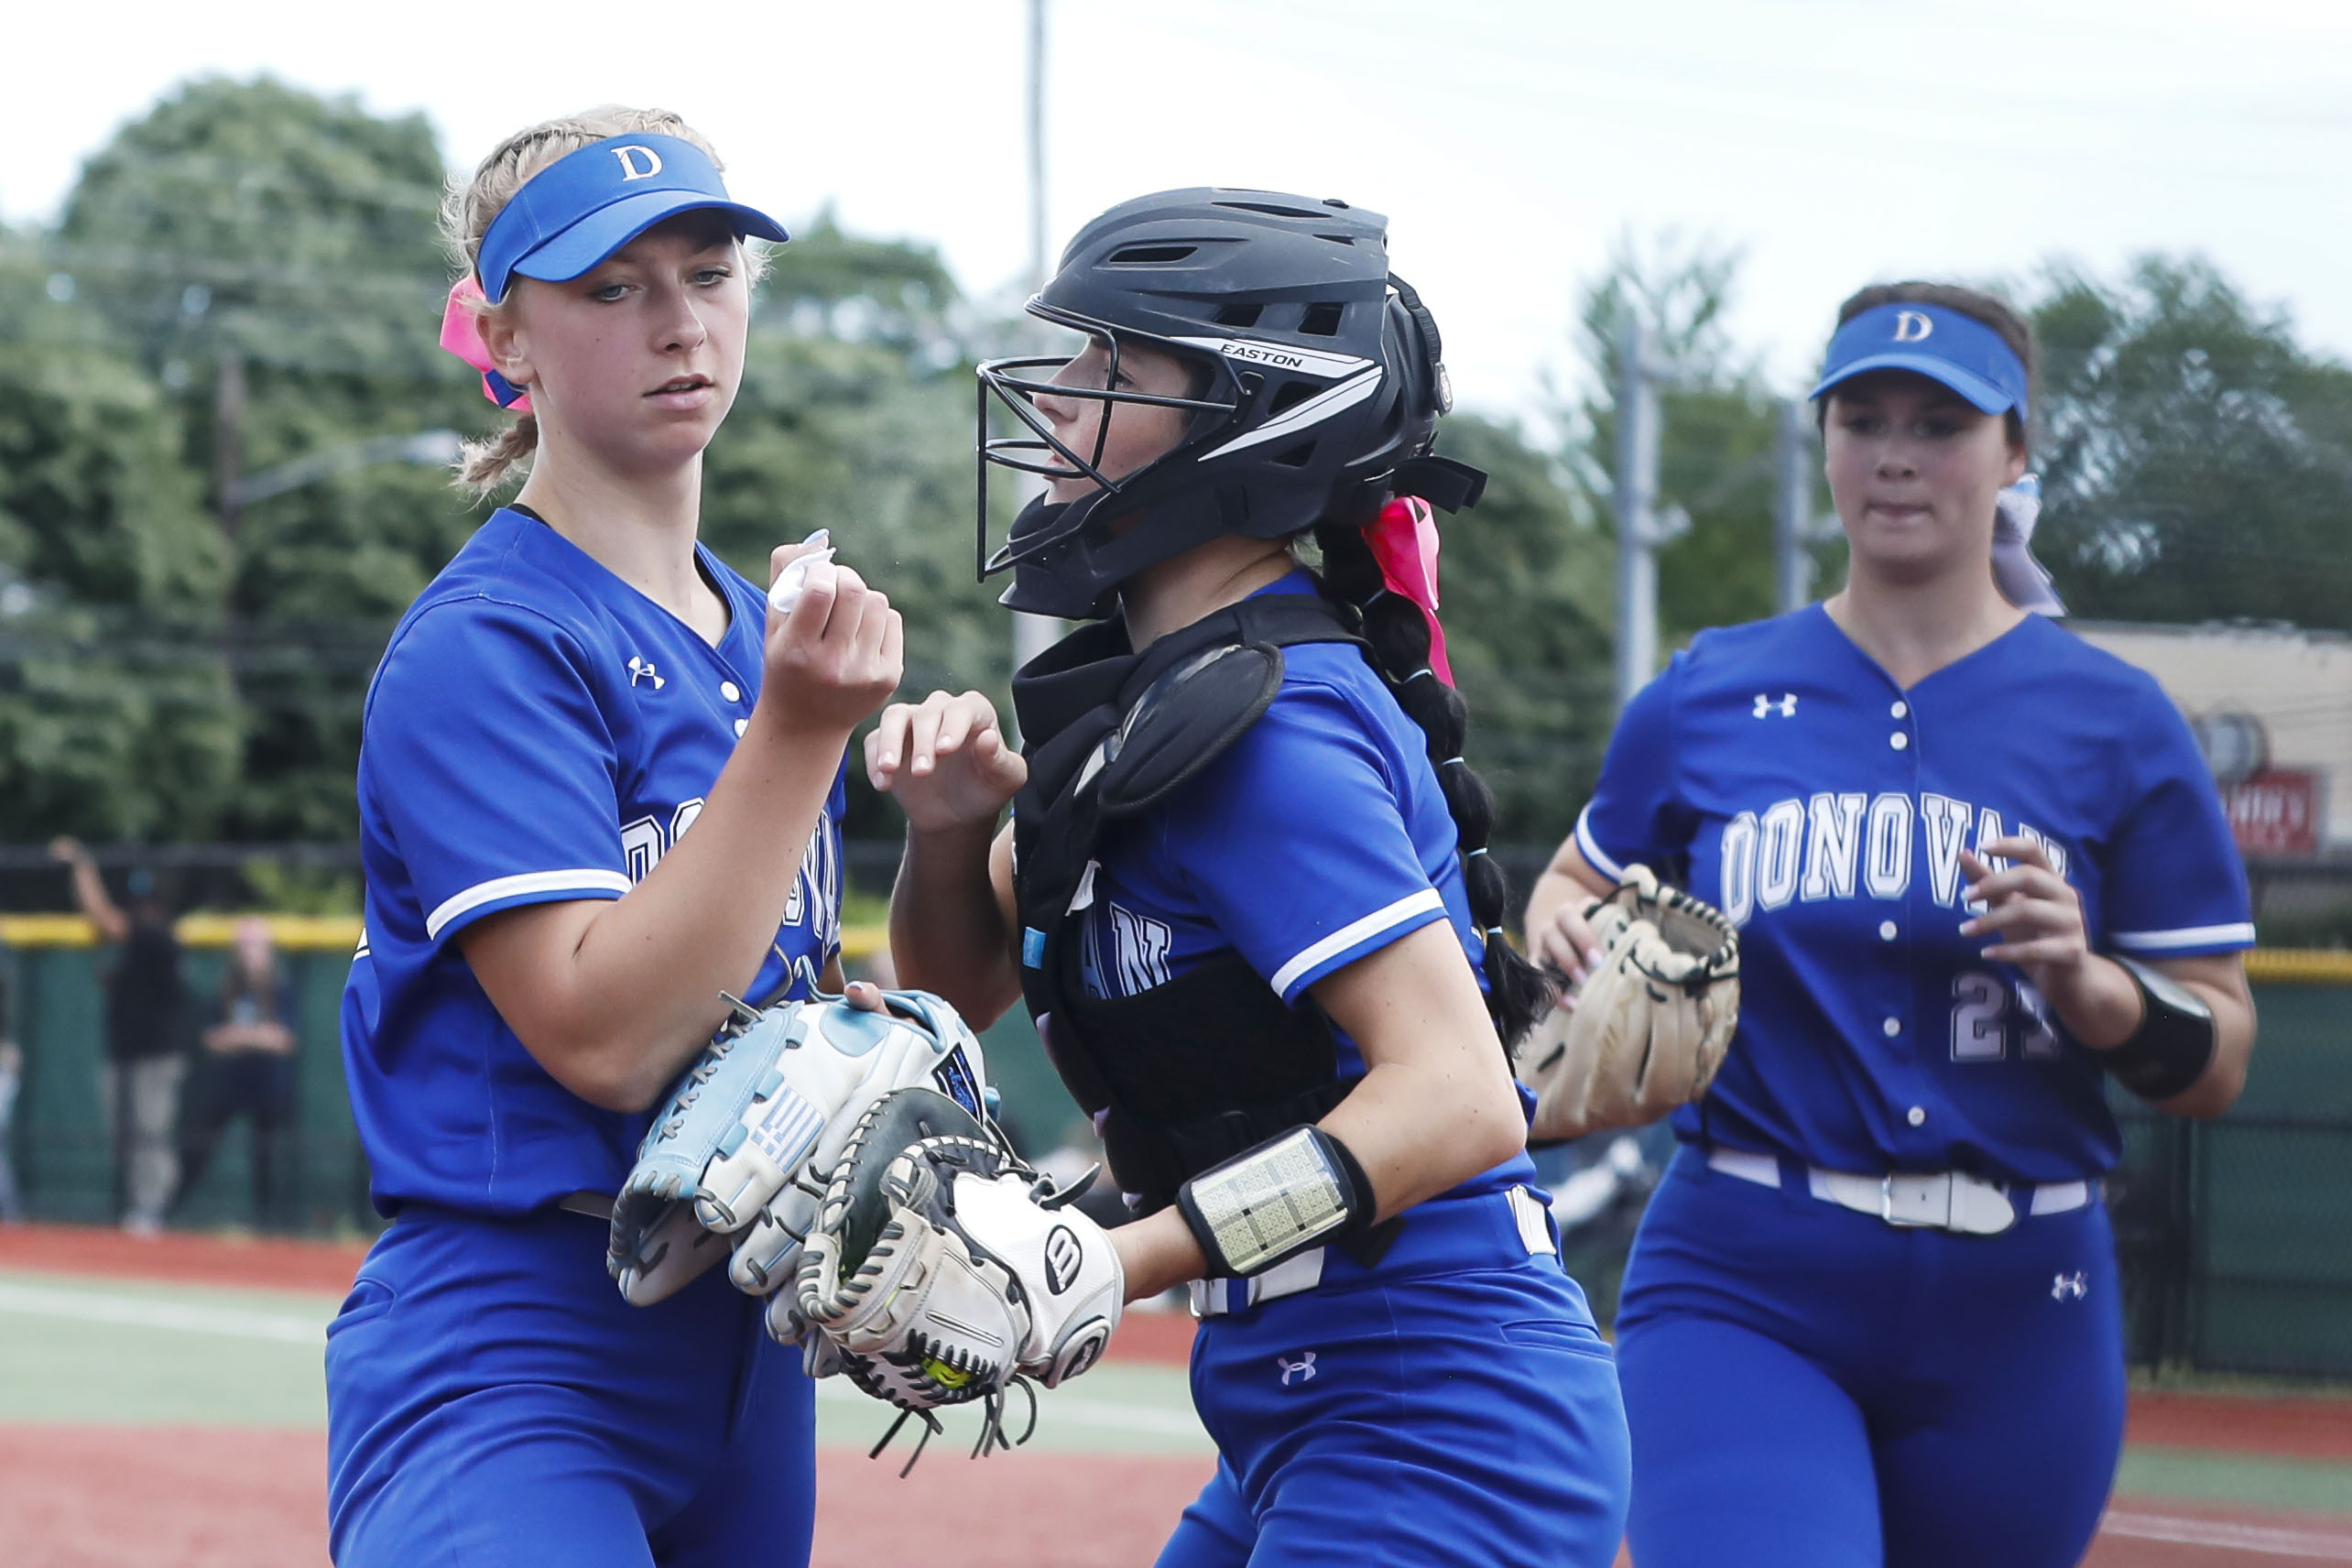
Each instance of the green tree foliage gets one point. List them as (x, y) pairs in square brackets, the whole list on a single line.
[(295, 236), (111, 725), (2196, 461), (1526, 605), (260, 219)]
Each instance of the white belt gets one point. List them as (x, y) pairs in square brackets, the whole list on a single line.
[(1216, 1297), (1941, 1199)]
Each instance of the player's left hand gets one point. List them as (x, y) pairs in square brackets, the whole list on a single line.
[(2034, 916)]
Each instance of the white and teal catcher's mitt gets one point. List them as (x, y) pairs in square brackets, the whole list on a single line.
[(942, 1270), (740, 1153)]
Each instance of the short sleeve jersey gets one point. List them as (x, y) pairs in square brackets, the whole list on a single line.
[(537, 731), (1319, 837), (1825, 808)]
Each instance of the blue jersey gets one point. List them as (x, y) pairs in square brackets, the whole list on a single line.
[(539, 731), (1318, 837), (1825, 808)]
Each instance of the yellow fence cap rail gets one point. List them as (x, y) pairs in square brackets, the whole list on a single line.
[(295, 933), (2299, 965), (310, 933)]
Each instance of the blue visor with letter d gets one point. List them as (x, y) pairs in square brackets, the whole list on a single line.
[(1946, 346), (587, 204)]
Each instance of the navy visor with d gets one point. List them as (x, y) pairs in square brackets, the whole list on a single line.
[(1946, 346), (584, 206)]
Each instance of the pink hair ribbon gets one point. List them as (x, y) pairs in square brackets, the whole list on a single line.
[(1404, 541), (460, 334)]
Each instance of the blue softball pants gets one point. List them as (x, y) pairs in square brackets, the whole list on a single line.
[(491, 1401), (1809, 1387), (1454, 1407)]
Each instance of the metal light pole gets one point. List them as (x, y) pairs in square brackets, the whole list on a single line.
[(1792, 507), (1640, 530), (1795, 525), (1032, 634)]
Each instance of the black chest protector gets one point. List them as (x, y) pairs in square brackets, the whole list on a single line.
[(1194, 1071)]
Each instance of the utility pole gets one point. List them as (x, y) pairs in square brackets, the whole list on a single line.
[(1792, 508), (1640, 526), (1795, 526), (1032, 634), (228, 444)]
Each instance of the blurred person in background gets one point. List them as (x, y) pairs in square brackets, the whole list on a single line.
[(140, 1083), (11, 1080), (247, 1068)]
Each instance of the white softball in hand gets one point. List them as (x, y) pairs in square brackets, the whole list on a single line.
[(786, 590)]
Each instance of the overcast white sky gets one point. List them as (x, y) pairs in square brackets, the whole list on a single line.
[(1838, 141)]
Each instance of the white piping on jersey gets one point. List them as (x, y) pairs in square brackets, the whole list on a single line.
[(580, 880), (1592, 852), (1313, 411), (1348, 935), (2184, 936)]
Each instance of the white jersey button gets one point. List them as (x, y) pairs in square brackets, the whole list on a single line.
[(1885, 930), (730, 691), (1899, 710), (1918, 1115), (741, 725), (1899, 740), (1893, 1028)]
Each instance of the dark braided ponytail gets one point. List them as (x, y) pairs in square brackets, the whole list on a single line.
[(1517, 992)]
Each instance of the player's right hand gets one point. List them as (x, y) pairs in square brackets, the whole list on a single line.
[(946, 760), (1566, 943), (835, 658)]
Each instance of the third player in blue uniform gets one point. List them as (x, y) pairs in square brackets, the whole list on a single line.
[(1872, 1314)]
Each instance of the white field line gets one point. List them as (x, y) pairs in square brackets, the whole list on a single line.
[(2269, 1541), (133, 1312)]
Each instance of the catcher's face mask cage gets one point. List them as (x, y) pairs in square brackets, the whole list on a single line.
[(1016, 383), (1316, 376)]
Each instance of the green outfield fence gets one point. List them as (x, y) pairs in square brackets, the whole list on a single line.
[(2236, 1236)]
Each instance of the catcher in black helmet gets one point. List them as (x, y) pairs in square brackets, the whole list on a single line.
[(1244, 892)]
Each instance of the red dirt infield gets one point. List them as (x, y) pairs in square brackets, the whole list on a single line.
[(257, 1500), (192, 1497), (245, 1262)]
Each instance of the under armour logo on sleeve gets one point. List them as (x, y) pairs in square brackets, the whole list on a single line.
[(1786, 707), (2069, 1287)]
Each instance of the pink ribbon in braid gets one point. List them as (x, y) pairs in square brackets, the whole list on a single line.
[(1404, 541), (461, 333)]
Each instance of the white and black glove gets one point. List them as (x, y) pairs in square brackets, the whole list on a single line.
[(942, 1270)]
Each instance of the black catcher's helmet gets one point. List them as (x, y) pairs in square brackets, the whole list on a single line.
[(1316, 392)]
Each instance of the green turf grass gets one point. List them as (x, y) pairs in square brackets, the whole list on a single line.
[(2256, 1481)]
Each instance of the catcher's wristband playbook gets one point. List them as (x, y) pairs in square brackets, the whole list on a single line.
[(2175, 1041), (1297, 1190)]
